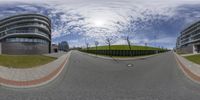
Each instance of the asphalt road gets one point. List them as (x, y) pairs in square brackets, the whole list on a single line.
[(90, 78)]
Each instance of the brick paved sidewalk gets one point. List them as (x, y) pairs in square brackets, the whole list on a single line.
[(191, 69), (32, 77)]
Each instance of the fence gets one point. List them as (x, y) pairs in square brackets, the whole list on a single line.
[(124, 52)]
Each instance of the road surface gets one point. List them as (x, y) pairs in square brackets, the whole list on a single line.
[(90, 78)]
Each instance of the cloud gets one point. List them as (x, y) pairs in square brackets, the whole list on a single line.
[(140, 19)]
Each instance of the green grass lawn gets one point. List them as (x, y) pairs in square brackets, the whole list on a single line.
[(124, 47), (24, 61), (180, 53), (194, 58)]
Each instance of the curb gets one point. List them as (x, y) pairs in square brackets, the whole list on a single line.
[(194, 77), (37, 82)]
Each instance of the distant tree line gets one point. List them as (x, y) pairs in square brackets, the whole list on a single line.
[(109, 41)]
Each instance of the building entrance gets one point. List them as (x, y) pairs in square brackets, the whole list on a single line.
[(197, 48)]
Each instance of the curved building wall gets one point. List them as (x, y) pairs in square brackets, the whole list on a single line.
[(25, 34), (24, 48)]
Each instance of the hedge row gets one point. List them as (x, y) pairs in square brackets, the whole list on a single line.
[(124, 52)]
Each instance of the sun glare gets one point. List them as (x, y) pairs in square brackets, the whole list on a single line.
[(99, 22)]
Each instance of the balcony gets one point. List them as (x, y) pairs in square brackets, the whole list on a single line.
[(27, 31), (23, 16), (28, 25), (25, 20)]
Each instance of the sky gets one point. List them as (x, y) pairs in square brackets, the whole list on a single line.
[(154, 22)]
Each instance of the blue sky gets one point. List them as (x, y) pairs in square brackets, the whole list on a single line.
[(155, 22)]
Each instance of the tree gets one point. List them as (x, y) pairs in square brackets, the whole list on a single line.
[(127, 29), (96, 44), (129, 42), (109, 41), (145, 44), (87, 45)]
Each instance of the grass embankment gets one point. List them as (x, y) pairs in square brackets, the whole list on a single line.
[(123, 56), (180, 53), (125, 53), (194, 58), (124, 47), (24, 61)]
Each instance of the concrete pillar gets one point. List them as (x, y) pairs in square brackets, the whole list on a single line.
[(194, 49)]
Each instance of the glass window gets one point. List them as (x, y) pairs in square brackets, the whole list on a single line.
[(34, 40), (26, 40), (12, 39)]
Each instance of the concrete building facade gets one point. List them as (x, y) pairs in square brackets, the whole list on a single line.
[(25, 34), (63, 46), (189, 39), (54, 48)]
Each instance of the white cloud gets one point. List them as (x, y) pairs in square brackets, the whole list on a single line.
[(112, 11)]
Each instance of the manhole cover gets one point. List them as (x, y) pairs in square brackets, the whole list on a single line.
[(130, 65)]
